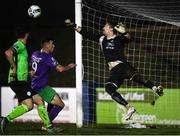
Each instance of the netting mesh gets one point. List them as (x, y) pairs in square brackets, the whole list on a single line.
[(162, 10), (154, 50)]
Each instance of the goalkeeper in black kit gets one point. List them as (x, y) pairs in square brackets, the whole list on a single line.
[(113, 41)]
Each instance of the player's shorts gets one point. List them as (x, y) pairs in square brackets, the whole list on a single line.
[(47, 93), (21, 89), (120, 72)]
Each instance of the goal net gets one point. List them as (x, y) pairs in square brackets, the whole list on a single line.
[(154, 52)]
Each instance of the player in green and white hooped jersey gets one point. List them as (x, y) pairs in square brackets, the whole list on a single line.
[(17, 56)]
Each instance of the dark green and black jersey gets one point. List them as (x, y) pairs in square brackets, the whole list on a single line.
[(21, 60)]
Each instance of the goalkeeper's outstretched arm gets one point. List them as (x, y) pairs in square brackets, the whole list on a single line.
[(86, 34)]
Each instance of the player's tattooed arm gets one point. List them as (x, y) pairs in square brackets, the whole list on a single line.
[(9, 56), (61, 68)]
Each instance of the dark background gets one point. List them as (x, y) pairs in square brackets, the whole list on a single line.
[(49, 24)]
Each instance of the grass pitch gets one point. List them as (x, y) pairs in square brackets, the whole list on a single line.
[(71, 129)]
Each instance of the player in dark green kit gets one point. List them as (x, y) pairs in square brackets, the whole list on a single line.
[(19, 71), (17, 56)]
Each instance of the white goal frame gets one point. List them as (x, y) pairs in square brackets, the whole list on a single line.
[(78, 49)]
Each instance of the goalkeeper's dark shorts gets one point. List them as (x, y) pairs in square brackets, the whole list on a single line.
[(120, 72), (22, 90)]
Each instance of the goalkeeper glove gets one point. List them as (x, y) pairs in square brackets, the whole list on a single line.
[(120, 27), (69, 23)]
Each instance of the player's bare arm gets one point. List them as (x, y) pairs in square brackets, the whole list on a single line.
[(9, 56), (61, 68), (31, 73)]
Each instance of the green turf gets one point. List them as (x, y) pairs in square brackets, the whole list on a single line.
[(70, 129)]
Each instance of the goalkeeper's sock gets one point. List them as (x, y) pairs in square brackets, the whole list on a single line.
[(119, 99), (148, 84), (44, 115), (139, 79), (17, 111), (111, 89), (54, 112)]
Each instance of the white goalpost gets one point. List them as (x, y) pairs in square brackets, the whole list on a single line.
[(78, 45)]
